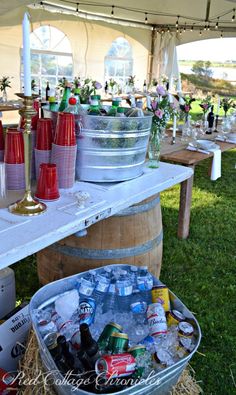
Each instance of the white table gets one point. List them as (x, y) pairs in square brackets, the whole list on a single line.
[(23, 236)]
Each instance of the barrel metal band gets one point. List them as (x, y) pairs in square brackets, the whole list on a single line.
[(142, 208), (108, 254)]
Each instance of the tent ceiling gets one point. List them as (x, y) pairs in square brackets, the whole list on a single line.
[(161, 13)]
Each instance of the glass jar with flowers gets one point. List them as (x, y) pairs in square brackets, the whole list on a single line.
[(5, 82), (226, 104), (205, 105), (162, 109)]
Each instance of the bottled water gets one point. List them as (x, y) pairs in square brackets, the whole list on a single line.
[(87, 284), (133, 276), (101, 288), (124, 289), (145, 284), (110, 300)]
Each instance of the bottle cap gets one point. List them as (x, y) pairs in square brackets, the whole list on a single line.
[(72, 100)]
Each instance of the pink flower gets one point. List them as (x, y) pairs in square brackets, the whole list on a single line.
[(159, 113), (154, 105), (187, 108), (161, 90)]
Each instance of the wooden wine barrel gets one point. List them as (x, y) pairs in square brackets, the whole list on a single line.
[(133, 236)]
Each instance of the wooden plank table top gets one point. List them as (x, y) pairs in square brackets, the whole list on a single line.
[(190, 158), (178, 154), (23, 236)]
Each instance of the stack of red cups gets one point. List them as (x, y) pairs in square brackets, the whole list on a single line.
[(64, 149), (43, 144), (1, 142), (14, 159)]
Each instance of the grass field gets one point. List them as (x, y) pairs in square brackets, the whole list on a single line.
[(200, 270)]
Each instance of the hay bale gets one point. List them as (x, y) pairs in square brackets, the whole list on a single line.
[(31, 366)]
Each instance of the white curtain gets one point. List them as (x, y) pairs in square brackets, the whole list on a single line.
[(165, 60)]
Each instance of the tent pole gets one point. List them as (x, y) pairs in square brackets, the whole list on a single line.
[(151, 55)]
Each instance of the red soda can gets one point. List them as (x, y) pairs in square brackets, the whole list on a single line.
[(8, 384), (117, 365)]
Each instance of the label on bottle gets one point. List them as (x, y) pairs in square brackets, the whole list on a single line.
[(87, 310), (124, 290), (102, 284), (86, 288)]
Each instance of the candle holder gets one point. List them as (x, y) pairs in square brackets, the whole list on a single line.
[(27, 206)]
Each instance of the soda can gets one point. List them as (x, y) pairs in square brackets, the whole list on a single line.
[(118, 343), (136, 351), (156, 320), (116, 366), (109, 329), (185, 346), (160, 294), (185, 329), (174, 317), (163, 358), (87, 309), (8, 383)]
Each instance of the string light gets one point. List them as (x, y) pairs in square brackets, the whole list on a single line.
[(41, 4), (200, 33), (77, 8), (221, 35), (185, 27), (180, 32), (208, 27), (233, 16), (112, 10), (146, 18), (191, 28), (177, 22), (162, 31), (217, 23), (205, 27), (168, 29)]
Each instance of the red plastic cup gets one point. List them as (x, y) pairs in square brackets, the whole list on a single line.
[(1, 137), (14, 147), (44, 134), (47, 185), (65, 130)]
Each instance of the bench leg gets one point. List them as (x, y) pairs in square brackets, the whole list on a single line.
[(185, 207)]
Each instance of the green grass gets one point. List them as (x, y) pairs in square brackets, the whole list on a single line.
[(200, 270)]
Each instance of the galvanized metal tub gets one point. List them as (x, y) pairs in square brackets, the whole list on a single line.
[(112, 149), (160, 384)]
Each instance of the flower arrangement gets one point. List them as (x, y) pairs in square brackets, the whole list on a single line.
[(161, 107), (5, 82), (87, 88), (226, 104), (186, 106), (206, 104), (131, 80)]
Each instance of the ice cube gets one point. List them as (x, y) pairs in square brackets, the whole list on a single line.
[(67, 304)]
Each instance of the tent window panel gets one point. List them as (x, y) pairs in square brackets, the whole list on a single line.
[(51, 57), (119, 61)]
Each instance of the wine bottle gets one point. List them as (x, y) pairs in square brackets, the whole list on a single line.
[(47, 91)]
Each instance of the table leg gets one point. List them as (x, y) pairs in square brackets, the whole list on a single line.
[(185, 207)]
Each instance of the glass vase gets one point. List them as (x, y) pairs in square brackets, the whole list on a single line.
[(4, 96), (154, 147)]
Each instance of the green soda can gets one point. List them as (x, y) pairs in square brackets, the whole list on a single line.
[(118, 343), (109, 329), (138, 352)]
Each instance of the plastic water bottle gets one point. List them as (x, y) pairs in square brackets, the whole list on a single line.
[(110, 300), (87, 284), (145, 284), (133, 276), (101, 288), (124, 289)]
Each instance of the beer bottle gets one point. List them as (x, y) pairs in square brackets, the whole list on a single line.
[(89, 345), (56, 352)]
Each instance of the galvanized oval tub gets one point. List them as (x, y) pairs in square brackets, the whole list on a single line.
[(160, 383), (111, 148)]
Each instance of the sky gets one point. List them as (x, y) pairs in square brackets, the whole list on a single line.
[(218, 49)]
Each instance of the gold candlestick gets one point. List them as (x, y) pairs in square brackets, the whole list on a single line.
[(27, 205)]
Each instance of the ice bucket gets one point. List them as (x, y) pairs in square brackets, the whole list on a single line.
[(110, 149), (160, 384)]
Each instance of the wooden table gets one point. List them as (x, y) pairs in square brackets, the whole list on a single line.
[(189, 159), (23, 236)]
